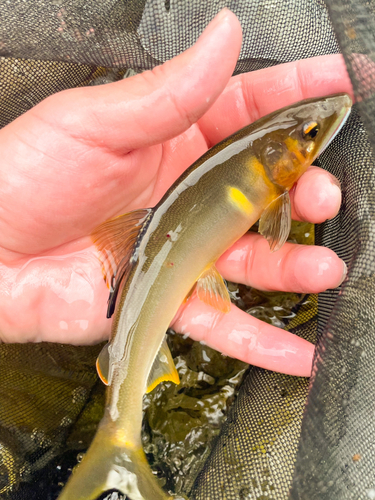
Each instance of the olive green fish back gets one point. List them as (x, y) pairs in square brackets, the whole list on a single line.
[(50, 401)]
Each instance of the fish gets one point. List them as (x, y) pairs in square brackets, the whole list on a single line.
[(156, 258)]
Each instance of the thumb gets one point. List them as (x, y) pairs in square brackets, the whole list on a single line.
[(156, 105)]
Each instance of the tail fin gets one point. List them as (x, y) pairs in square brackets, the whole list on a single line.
[(108, 466)]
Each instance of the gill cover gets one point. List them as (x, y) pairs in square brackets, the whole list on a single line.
[(304, 131)]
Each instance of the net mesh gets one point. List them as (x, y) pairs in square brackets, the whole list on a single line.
[(48, 46), (336, 454), (336, 450)]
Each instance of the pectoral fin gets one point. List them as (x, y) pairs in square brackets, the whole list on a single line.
[(116, 241), (275, 222), (210, 289), (163, 369), (102, 365)]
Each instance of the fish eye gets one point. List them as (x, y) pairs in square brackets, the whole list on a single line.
[(310, 130)]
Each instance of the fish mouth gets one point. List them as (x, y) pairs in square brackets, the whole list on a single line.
[(343, 107)]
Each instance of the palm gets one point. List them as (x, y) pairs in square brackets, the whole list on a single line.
[(78, 186), (86, 155)]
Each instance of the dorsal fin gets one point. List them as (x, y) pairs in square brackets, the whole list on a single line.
[(275, 222), (210, 289), (116, 240), (163, 369)]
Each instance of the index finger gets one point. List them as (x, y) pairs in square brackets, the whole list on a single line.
[(250, 96)]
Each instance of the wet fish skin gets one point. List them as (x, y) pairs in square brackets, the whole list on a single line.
[(245, 177)]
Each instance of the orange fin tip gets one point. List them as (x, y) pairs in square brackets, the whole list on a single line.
[(102, 365), (211, 289), (163, 369)]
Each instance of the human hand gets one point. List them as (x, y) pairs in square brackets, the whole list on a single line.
[(88, 154)]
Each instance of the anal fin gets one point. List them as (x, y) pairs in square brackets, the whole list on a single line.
[(275, 222), (163, 369)]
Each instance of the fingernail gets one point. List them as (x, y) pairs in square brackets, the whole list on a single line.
[(215, 22), (334, 193), (220, 16), (344, 272), (335, 181)]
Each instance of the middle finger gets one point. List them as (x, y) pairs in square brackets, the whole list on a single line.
[(293, 268)]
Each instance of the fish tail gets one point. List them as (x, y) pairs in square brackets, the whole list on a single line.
[(112, 464)]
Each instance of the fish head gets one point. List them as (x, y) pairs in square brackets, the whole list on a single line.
[(294, 136)]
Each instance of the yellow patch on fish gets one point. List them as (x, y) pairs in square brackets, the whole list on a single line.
[(258, 176), (120, 437), (256, 166), (293, 147), (239, 199)]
